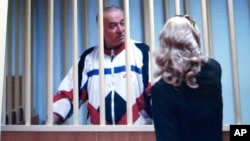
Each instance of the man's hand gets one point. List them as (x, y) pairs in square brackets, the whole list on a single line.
[(56, 119)]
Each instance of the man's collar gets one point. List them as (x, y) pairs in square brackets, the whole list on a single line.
[(116, 50)]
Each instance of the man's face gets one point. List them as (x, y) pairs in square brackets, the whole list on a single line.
[(114, 32)]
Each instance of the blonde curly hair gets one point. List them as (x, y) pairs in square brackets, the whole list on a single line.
[(179, 58)]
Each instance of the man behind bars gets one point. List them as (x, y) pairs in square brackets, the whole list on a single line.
[(114, 75)]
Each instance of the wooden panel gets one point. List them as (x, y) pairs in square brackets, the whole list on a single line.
[(126, 136), (83, 136), (16, 108), (226, 136)]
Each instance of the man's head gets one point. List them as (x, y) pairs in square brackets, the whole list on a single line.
[(113, 24)]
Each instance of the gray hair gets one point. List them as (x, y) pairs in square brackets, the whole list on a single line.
[(108, 9)]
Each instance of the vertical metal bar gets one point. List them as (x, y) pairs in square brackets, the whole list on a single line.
[(27, 62), (187, 7), (3, 29), (3, 99), (9, 66), (75, 64), (177, 7), (86, 25), (66, 40), (23, 60), (50, 21), (101, 62), (234, 63), (105, 3), (17, 51), (151, 34), (209, 27), (9, 86), (205, 28), (128, 63), (166, 9), (7, 48), (146, 19), (32, 62), (248, 6)]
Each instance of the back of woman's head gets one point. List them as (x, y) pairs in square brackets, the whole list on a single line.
[(179, 58)]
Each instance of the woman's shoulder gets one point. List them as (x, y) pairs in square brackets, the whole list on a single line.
[(210, 70), (212, 64), (160, 84)]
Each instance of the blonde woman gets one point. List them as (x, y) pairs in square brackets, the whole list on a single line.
[(187, 98)]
